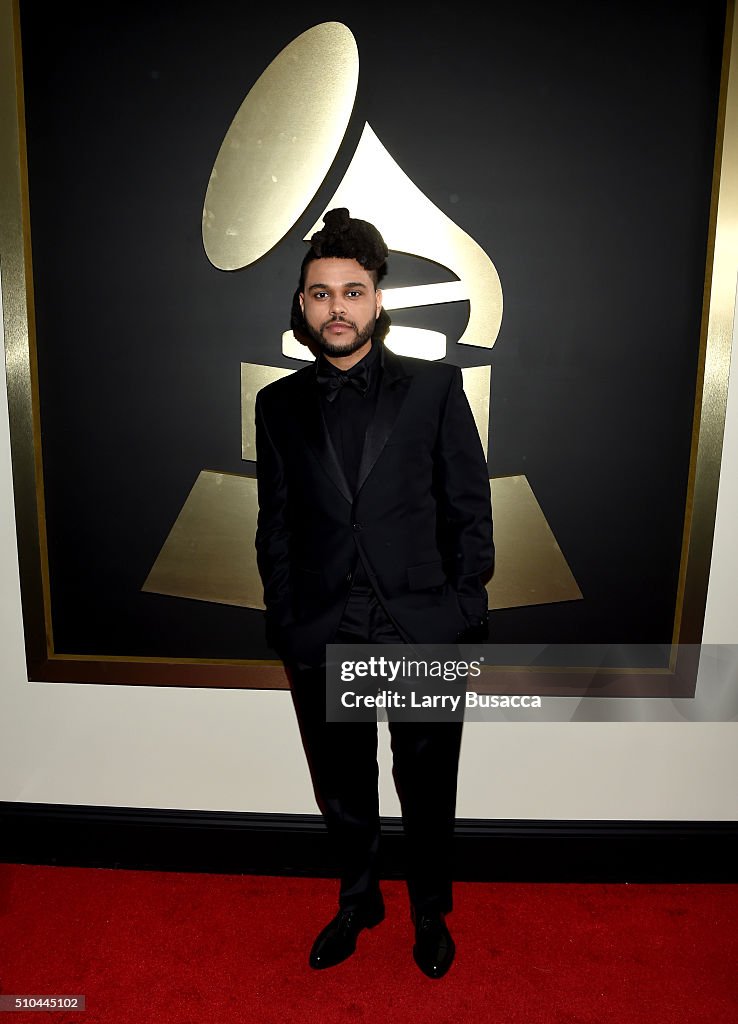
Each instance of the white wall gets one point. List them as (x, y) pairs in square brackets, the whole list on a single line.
[(240, 749)]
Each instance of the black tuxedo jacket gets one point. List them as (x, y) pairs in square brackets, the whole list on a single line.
[(420, 519)]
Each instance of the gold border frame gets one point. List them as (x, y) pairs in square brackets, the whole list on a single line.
[(18, 307)]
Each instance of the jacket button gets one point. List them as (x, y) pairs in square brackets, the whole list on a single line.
[(356, 526)]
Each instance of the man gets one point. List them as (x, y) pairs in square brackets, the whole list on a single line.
[(374, 526)]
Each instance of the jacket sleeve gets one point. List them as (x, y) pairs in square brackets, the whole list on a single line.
[(465, 504), (272, 530)]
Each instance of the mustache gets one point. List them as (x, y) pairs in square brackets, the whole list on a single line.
[(339, 320)]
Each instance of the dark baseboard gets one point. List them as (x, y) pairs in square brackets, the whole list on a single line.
[(226, 842)]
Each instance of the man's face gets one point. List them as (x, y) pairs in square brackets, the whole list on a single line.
[(340, 305)]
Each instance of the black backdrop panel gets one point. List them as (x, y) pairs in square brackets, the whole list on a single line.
[(573, 142)]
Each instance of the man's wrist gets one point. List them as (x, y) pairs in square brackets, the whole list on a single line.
[(474, 609)]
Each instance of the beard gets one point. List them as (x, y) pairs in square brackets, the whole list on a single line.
[(329, 349)]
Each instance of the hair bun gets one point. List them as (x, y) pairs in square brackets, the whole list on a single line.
[(337, 221), (347, 237)]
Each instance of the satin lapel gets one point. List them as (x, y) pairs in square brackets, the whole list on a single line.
[(312, 424), (393, 390)]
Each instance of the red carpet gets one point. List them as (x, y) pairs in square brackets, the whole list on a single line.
[(189, 948)]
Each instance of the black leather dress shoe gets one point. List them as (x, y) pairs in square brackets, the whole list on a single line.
[(337, 941), (434, 948)]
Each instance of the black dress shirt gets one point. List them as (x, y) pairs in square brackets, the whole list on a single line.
[(348, 413)]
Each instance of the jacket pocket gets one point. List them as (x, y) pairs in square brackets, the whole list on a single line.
[(426, 576)]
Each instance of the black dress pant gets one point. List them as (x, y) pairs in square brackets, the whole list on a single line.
[(343, 763)]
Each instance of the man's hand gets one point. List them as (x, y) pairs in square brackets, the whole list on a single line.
[(475, 632)]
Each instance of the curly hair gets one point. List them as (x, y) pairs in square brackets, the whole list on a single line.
[(344, 237)]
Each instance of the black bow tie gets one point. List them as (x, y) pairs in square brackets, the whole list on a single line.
[(332, 382)]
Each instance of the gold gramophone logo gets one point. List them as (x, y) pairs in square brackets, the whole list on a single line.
[(275, 155)]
